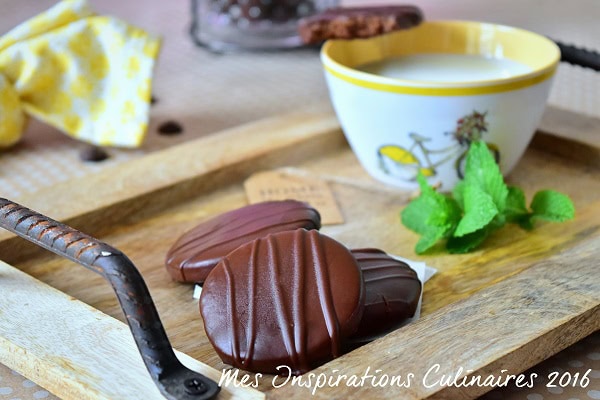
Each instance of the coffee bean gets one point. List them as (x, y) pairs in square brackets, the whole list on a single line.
[(93, 154), (170, 128)]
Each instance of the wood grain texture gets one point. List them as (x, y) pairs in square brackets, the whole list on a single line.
[(574, 126), (512, 325), (94, 202), (78, 352), (143, 206)]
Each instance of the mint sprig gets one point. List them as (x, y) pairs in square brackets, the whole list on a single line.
[(432, 215), (479, 205)]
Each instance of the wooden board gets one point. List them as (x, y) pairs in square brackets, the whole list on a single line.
[(518, 300), (80, 352)]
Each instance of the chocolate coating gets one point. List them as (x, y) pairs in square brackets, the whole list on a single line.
[(290, 298), (357, 22), (196, 253), (392, 292)]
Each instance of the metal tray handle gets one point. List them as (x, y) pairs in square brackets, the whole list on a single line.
[(173, 379)]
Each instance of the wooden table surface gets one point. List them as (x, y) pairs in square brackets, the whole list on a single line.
[(233, 89)]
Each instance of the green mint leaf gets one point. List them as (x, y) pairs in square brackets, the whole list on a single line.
[(482, 170), (430, 211), (516, 209), (488, 203), (429, 240), (526, 222), (458, 194), (498, 222), (421, 215), (552, 206), (432, 215), (480, 210), (468, 242)]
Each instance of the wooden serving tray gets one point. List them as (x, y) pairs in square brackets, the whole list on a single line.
[(520, 299)]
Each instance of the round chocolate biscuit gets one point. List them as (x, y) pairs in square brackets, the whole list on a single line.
[(357, 22), (392, 292), (288, 299), (195, 254)]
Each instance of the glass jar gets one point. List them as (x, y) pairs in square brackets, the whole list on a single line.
[(223, 25)]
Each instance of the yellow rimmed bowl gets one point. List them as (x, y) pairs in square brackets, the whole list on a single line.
[(423, 115)]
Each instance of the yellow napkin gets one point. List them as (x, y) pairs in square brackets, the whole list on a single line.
[(86, 75)]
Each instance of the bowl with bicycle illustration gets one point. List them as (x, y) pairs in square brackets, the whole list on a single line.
[(412, 102)]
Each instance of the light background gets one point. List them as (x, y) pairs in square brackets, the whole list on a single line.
[(207, 93)]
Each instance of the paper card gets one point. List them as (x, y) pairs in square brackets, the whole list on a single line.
[(281, 185)]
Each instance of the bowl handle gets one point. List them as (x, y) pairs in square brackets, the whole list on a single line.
[(579, 56)]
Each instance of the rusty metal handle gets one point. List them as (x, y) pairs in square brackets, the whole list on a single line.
[(174, 380), (580, 56)]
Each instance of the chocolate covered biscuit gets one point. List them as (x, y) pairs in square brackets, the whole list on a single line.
[(392, 292), (291, 298), (196, 253), (357, 22)]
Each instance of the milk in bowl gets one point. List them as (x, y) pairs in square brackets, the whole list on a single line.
[(413, 101), (440, 67)]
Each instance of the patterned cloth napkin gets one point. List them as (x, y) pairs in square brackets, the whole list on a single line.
[(87, 75)]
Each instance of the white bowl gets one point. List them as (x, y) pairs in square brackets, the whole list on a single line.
[(458, 81)]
